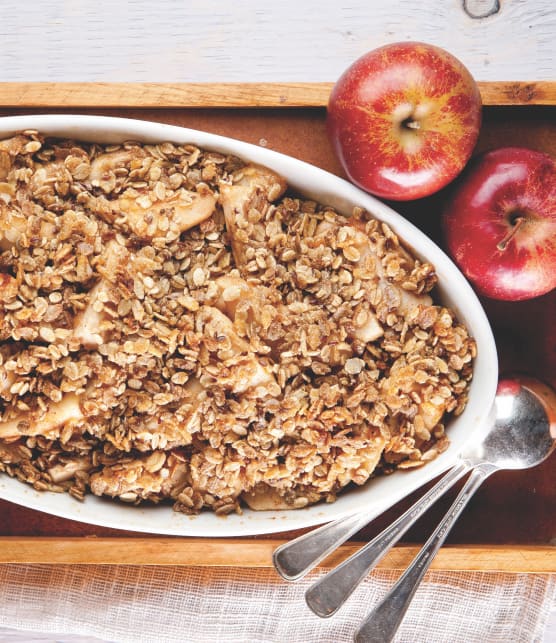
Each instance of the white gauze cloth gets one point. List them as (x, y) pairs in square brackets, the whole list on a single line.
[(230, 605)]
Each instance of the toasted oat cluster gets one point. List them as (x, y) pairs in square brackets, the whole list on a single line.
[(175, 326)]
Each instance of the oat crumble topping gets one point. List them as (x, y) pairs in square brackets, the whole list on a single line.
[(176, 326)]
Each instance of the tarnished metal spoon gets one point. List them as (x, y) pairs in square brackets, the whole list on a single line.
[(522, 436), (330, 592)]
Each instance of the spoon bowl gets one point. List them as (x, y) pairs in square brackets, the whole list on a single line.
[(522, 434)]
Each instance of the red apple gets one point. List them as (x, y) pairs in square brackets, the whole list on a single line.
[(500, 224), (404, 119)]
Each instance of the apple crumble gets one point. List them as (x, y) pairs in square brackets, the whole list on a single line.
[(176, 326)]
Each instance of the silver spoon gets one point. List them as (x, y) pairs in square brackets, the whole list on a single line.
[(515, 402), (523, 435)]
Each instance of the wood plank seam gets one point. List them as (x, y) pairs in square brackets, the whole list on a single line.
[(200, 95)]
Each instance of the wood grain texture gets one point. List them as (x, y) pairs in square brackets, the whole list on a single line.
[(219, 41), (249, 95), (255, 554)]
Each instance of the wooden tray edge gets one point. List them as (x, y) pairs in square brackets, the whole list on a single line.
[(243, 553), (176, 95), (247, 553)]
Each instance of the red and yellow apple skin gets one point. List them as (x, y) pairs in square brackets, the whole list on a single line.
[(500, 224), (404, 120)]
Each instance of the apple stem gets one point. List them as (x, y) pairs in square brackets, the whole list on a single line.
[(503, 244)]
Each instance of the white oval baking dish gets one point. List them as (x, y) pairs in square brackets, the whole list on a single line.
[(377, 495)]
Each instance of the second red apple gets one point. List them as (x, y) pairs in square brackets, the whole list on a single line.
[(500, 224)]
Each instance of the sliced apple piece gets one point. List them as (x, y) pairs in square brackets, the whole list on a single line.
[(169, 430), (392, 292), (88, 328), (263, 497), (149, 477), (247, 373), (256, 188), (7, 378), (432, 413), (178, 475), (192, 420), (148, 217), (162, 431), (10, 452), (49, 178), (220, 475), (370, 456), (115, 259), (14, 223), (366, 327), (88, 323), (66, 471), (234, 291), (48, 423), (104, 166), (368, 446), (131, 479), (402, 381), (240, 368), (400, 299), (218, 327)]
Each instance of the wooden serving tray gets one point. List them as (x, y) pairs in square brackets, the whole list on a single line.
[(510, 524)]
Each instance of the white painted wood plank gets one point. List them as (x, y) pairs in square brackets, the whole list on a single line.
[(250, 40)]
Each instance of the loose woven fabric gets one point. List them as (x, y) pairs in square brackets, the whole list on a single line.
[(200, 604)]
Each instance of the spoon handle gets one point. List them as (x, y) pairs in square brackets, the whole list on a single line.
[(296, 558), (329, 593), (382, 623)]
